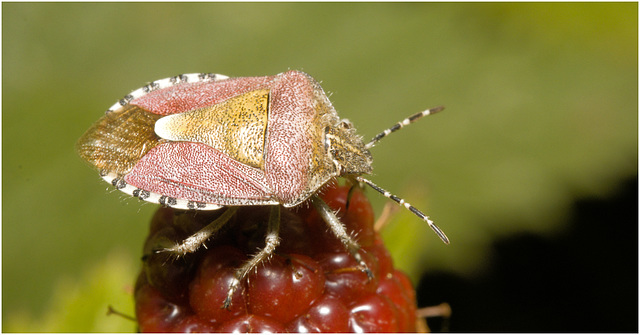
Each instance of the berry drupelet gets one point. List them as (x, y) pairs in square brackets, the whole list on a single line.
[(310, 284)]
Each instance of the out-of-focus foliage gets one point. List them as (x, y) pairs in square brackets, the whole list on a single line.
[(86, 303), (541, 108)]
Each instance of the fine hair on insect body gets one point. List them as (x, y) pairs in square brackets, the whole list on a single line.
[(207, 141)]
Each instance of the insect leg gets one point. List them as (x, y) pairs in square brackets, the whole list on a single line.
[(271, 242), (350, 194), (193, 242), (340, 232)]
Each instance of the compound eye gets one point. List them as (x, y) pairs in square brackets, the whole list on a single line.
[(345, 124)]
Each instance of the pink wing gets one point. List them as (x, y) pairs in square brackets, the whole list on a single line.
[(189, 96), (198, 172)]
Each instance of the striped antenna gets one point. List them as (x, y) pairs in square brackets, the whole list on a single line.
[(401, 202), (411, 119)]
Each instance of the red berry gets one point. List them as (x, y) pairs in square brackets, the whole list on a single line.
[(155, 314), (374, 314), (285, 287), (250, 323), (209, 287), (345, 279), (393, 289), (310, 284), (383, 257), (327, 315), (194, 324)]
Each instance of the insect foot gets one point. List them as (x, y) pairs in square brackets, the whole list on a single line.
[(339, 230), (193, 242), (311, 283)]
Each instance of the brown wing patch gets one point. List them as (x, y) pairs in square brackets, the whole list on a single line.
[(236, 127), (119, 139)]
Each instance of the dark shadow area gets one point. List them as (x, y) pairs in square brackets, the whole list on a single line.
[(585, 279)]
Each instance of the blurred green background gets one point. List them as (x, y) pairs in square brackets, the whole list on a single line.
[(542, 108)]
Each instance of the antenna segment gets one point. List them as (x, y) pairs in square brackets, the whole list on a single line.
[(408, 206), (411, 119)]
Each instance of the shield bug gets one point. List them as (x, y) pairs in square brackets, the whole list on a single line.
[(206, 141)]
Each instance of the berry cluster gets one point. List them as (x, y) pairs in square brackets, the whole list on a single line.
[(311, 283)]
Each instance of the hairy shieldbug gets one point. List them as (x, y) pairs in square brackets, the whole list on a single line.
[(206, 141)]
